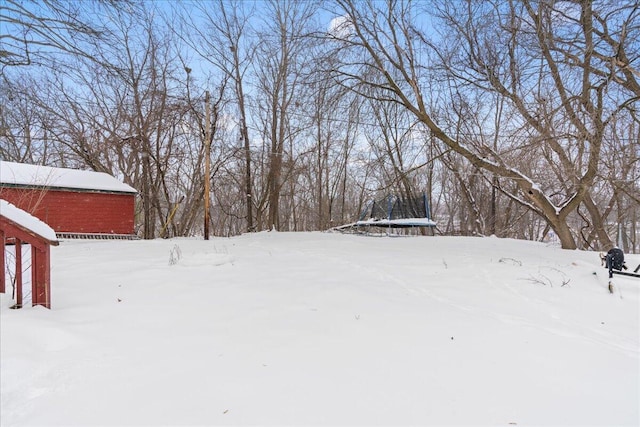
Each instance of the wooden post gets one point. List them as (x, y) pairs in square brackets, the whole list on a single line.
[(41, 276), (40, 260), (3, 278), (207, 165), (18, 272)]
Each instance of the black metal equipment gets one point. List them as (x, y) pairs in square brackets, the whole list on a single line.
[(614, 262), (397, 212)]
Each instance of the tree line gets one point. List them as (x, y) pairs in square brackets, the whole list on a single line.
[(517, 119)]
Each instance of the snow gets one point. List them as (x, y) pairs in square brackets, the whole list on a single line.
[(324, 329), (45, 176), (26, 220)]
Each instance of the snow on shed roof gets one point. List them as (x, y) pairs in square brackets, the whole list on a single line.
[(44, 176), (26, 220)]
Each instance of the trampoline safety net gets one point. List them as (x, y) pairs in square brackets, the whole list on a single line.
[(392, 207)]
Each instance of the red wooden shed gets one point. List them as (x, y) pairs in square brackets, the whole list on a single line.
[(75, 203), (18, 227)]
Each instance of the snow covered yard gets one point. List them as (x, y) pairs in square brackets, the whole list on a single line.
[(323, 329)]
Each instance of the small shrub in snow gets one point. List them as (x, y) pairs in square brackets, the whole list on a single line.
[(510, 261), (550, 276), (174, 255)]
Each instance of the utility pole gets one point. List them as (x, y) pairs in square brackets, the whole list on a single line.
[(207, 161)]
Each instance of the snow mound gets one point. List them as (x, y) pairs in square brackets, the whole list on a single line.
[(324, 328), (206, 260)]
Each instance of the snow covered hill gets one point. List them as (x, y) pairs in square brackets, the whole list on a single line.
[(323, 329)]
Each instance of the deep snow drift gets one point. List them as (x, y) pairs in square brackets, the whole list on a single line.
[(321, 328)]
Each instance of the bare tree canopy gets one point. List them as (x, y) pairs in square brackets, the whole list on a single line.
[(34, 31), (515, 118), (545, 62)]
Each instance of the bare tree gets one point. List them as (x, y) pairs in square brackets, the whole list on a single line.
[(224, 41), (508, 49), (22, 128), (133, 119), (34, 32), (279, 72)]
